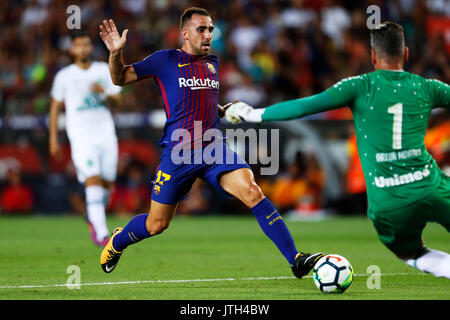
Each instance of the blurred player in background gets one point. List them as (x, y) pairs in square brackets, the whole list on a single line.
[(189, 84), (391, 107), (84, 87)]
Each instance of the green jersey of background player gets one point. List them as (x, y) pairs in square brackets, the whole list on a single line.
[(391, 107)]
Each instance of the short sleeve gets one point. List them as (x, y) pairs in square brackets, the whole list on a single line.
[(57, 91), (150, 66), (440, 93), (346, 91)]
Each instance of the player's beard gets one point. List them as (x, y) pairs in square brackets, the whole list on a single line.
[(205, 49), (197, 50)]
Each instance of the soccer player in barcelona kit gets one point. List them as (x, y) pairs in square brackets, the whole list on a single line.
[(391, 107), (189, 84), (84, 88)]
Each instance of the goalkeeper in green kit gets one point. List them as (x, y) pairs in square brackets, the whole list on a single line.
[(391, 108)]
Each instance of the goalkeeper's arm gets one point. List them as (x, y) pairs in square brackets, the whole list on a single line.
[(343, 93), (298, 108), (286, 110)]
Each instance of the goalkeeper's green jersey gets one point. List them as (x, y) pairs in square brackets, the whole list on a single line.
[(391, 111)]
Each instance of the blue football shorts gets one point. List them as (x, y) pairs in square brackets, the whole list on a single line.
[(173, 179)]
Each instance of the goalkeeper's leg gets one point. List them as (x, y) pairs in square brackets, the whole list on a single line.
[(431, 261), (436, 208), (401, 229)]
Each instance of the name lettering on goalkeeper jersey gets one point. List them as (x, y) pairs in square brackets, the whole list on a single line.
[(398, 155), (397, 180)]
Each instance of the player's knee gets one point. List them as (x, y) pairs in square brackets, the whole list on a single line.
[(93, 181), (158, 226), (252, 194)]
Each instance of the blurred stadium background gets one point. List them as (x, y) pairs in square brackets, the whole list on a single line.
[(270, 50)]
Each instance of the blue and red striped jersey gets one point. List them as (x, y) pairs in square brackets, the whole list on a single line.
[(189, 87)]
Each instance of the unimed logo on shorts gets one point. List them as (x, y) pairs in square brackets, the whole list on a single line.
[(261, 147)]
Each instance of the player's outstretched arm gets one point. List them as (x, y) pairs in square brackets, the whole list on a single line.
[(298, 108), (121, 74), (285, 110), (341, 94)]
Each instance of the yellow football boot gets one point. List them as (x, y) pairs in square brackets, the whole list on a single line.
[(110, 257)]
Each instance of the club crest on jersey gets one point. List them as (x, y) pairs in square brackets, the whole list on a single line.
[(211, 67)]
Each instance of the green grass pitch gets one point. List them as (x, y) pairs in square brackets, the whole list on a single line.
[(214, 257)]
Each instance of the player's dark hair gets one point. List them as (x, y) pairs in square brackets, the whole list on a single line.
[(189, 12), (79, 33), (388, 39)]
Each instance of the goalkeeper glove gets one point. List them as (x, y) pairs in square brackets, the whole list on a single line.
[(240, 111)]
